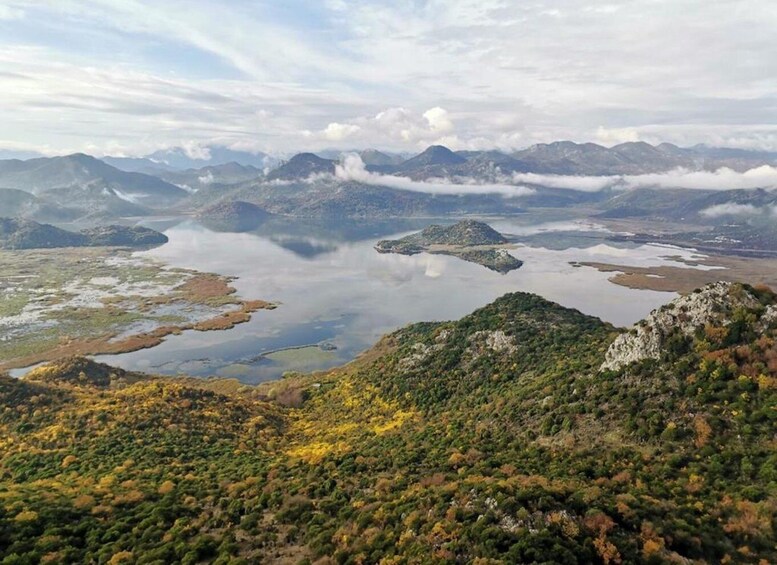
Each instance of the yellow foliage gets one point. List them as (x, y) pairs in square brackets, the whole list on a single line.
[(766, 383), (607, 550), (84, 501), (102, 510), (26, 516), (399, 418), (703, 431), (314, 452), (120, 557), (131, 497), (166, 487), (69, 460)]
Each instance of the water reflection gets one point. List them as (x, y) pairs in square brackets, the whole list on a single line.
[(336, 291)]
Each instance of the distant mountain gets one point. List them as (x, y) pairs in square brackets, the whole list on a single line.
[(370, 157), (27, 234), (699, 206), (436, 155), (378, 158), (6, 154), (104, 202), (18, 203), (566, 157), (233, 216), (440, 162), (569, 158), (179, 158), (302, 166), (137, 165), (329, 197), (228, 173), (85, 172)]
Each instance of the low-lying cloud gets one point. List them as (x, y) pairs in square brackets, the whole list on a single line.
[(721, 179), (731, 209), (738, 210), (352, 168), (572, 182)]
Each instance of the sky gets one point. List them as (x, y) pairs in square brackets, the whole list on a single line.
[(127, 77)]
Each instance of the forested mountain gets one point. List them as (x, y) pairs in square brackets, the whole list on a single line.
[(524, 432)]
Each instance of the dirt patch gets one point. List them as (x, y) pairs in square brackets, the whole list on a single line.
[(207, 287)]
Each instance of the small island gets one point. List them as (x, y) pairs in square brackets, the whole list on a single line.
[(469, 240), (233, 216)]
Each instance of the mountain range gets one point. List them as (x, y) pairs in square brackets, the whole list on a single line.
[(80, 187)]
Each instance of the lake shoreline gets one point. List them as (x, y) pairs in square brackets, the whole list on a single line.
[(99, 316)]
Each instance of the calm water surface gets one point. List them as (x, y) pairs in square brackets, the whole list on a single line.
[(335, 289)]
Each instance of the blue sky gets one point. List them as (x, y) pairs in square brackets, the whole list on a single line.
[(131, 76)]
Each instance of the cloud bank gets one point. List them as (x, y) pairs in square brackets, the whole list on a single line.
[(352, 168), (721, 179), (469, 74), (731, 209), (739, 210)]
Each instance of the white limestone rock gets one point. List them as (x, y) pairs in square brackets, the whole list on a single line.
[(713, 304)]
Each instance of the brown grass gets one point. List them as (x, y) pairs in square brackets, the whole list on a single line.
[(224, 322), (685, 279), (204, 287)]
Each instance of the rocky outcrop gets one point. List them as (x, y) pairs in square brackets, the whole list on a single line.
[(712, 304)]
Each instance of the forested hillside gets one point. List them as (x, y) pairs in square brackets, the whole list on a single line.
[(498, 438)]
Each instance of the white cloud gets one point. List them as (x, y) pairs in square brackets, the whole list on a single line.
[(206, 178), (194, 150), (721, 179), (731, 209), (392, 128), (614, 136), (438, 120), (482, 73), (572, 182), (339, 132), (353, 169)]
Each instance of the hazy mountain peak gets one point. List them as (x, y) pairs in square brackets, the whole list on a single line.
[(433, 155), (301, 166)]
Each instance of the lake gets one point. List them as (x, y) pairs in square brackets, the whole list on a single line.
[(337, 295)]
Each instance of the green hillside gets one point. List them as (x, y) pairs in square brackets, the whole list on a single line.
[(498, 438)]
